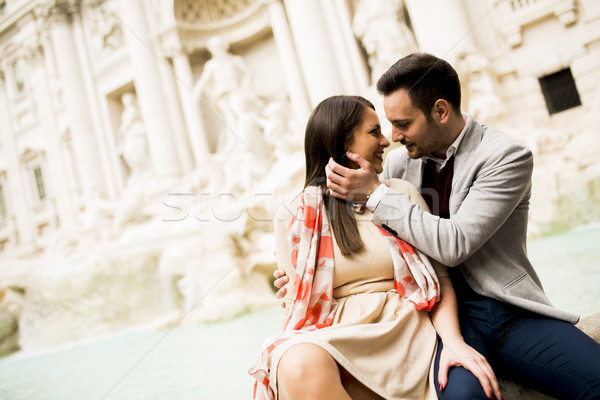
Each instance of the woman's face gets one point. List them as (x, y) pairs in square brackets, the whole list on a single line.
[(368, 141)]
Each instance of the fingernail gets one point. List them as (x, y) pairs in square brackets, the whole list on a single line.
[(440, 387)]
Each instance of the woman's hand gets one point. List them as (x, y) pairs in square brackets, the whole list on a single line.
[(458, 353), (280, 281)]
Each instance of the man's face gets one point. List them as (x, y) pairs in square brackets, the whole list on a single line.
[(411, 127)]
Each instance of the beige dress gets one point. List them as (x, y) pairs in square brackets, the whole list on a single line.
[(377, 336)]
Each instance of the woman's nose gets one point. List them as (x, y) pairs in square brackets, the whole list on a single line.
[(384, 141)]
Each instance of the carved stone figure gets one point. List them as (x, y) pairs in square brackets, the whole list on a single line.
[(279, 130), (91, 227), (106, 28), (479, 87), (225, 83), (132, 137), (381, 27)]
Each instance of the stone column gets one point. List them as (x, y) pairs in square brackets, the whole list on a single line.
[(151, 97), (57, 171), (75, 97), (289, 61), (16, 192), (191, 112), (356, 64), (440, 26), (315, 52)]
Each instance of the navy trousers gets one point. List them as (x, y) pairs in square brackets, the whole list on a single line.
[(551, 356)]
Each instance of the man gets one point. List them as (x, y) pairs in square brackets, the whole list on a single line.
[(477, 183)]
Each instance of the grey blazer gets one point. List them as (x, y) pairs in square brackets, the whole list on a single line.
[(487, 229)]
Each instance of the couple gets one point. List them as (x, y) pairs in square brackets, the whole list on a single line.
[(367, 328)]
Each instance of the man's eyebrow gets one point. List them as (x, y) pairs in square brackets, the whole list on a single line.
[(400, 120)]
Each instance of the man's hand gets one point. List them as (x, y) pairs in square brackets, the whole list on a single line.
[(461, 354), (351, 184), (280, 280)]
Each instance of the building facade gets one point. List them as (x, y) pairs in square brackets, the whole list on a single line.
[(99, 98)]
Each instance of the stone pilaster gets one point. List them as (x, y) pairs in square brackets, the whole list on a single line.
[(289, 60), (18, 205), (151, 97), (441, 27), (58, 16), (191, 112), (316, 55)]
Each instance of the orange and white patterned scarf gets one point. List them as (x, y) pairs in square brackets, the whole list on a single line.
[(313, 306)]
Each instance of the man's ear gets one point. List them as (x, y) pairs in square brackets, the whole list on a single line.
[(441, 111)]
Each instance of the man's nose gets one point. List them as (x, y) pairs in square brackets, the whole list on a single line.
[(397, 136)]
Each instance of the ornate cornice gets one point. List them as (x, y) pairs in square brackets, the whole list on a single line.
[(59, 10)]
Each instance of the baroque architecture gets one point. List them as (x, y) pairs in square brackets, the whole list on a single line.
[(162, 134)]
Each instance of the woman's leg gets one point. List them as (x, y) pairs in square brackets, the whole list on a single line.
[(355, 389), (306, 371)]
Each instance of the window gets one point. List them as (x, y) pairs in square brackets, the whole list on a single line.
[(18, 76), (560, 91), (2, 203), (39, 183)]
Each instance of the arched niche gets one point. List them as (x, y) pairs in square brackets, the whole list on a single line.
[(191, 23)]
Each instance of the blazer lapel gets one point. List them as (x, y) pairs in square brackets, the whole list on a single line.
[(414, 172)]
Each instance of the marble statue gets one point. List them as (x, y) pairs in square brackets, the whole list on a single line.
[(479, 87), (280, 130), (226, 84), (106, 28), (381, 27), (133, 143), (93, 225)]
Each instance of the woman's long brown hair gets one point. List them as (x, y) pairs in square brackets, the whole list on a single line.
[(331, 125)]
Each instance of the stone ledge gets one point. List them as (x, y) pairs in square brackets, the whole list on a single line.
[(514, 391)]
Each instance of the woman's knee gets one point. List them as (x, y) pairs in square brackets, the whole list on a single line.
[(306, 362)]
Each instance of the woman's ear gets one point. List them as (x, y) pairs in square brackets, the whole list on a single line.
[(441, 111)]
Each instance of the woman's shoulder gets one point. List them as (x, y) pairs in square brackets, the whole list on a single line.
[(287, 210), (400, 185), (409, 190)]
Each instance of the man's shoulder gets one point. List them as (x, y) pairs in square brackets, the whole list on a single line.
[(494, 147), (496, 137), (487, 140)]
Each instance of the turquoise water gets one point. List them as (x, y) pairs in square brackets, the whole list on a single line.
[(211, 361), (188, 362)]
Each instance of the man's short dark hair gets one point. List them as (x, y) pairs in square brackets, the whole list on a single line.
[(427, 79)]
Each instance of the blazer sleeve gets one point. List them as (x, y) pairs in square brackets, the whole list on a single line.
[(412, 194), (500, 185)]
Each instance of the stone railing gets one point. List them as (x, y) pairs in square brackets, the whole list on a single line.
[(515, 14)]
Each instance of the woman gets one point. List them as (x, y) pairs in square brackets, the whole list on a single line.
[(361, 329)]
